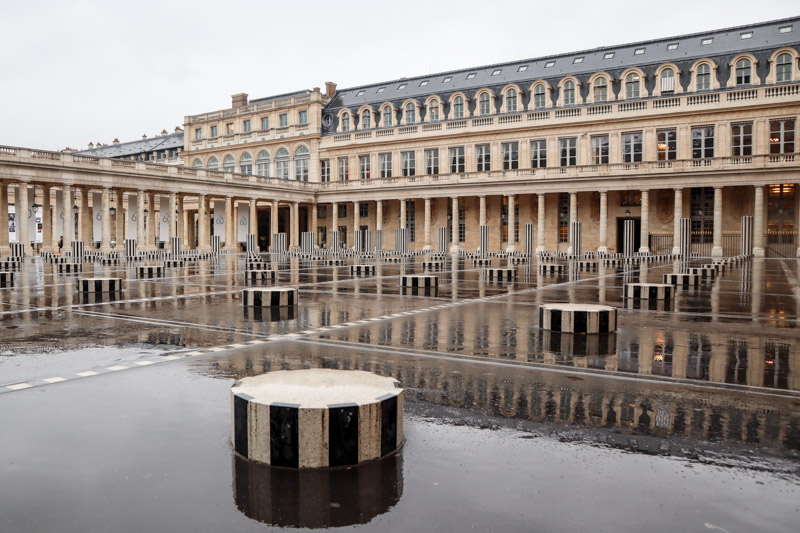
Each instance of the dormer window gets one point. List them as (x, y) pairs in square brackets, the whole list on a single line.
[(608, 55), (707, 41), (381, 90), (785, 29), (639, 51), (549, 64), (471, 75), (522, 68), (401, 86), (746, 35), (496, 72), (448, 79), (423, 83), (672, 46), (360, 93), (577, 60)]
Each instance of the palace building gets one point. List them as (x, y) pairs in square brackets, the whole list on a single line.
[(699, 126)]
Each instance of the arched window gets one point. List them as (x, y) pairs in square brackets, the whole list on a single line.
[(301, 157), (366, 120), (197, 163), (539, 97), (511, 101), (346, 122), (246, 163), (282, 163), (667, 81), (743, 71), (433, 110), (600, 90), (411, 113), (228, 163), (387, 116), (213, 164), (632, 85), (458, 107), (783, 68), (483, 104), (569, 93), (703, 77), (262, 163)]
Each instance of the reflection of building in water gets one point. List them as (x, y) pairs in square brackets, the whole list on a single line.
[(317, 498)]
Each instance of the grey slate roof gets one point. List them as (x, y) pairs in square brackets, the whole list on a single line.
[(726, 42), (164, 142), (279, 96)]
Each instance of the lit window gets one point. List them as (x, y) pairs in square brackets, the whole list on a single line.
[(229, 128), (433, 110), (424, 83), (667, 144), (381, 90), (577, 60), (470, 75), (746, 35), (496, 72), (549, 64), (706, 42), (638, 51), (401, 87), (359, 93), (608, 55), (447, 79), (523, 68), (672, 46), (781, 136), (785, 29)]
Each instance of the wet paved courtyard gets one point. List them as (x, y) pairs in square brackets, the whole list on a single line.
[(115, 414)]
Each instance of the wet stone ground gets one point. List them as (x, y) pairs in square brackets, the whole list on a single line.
[(115, 414)]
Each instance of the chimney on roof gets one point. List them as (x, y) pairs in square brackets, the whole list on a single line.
[(330, 89), (144, 136), (316, 89), (239, 100), (91, 145), (115, 141), (178, 129), (163, 132)]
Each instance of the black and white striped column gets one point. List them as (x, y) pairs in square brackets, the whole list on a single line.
[(357, 236), (649, 291), (704, 272), (279, 243), (686, 238), (175, 247), (682, 280), (250, 244), (130, 248), (336, 240), (500, 274), (747, 236), (99, 285), (307, 242), (401, 240), (629, 232), (577, 318), (69, 268), (575, 236), (442, 239), (78, 250), (551, 268), (419, 281), (6, 279), (483, 244), (432, 265), (269, 297), (369, 244), (528, 239), (260, 274), (362, 270), (150, 271), (17, 248), (378, 240), (216, 245)]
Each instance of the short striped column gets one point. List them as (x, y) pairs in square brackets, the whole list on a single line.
[(747, 236), (130, 248), (6, 279), (482, 262), (335, 262), (269, 297), (577, 318), (254, 275), (500, 274), (483, 245), (419, 281), (588, 266), (528, 239), (150, 271), (682, 280), (569, 345), (649, 291), (99, 285), (78, 250), (432, 265), (686, 238), (704, 272), (69, 268), (520, 260), (216, 244), (316, 418), (17, 249), (336, 240), (362, 270), (14, 263), (551, 268), (250, 244)]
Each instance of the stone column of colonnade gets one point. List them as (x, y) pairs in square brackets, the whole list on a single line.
[(758, 223), (47, 220), (540, 224), (379, 222), (69, 223), (230, 225), (481, 210), (644, 244), (314, 224), (797, 215), (716, 251), (454, 227), (602, 246), (573, 217), (427, 246), (181, 229), (356, 221), (403, 214), (295, 224), (105, 220), (203, 241), (676, 228), (151, 222), (274, 226), (85, 219), (5, 247), (512, 222), (334, 221), (173, 217), (254, 219)]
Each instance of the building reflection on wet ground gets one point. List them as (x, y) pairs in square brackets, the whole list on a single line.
[(712, 378)]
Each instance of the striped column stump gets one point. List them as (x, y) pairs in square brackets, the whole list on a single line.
[(616, 262), (573, 345), (719, 266), (150, 271), (649, 291), (335, 262), (500, 274), (588, 266), (98, 285), (682, 280), (551, 269), (419, 281), (392, 259), (316, 418), (270, 297), (255, 275), (703, 272), (269, 314), (106, 261), (362, 270), (577, 318), (432, 265), (9, 264), (482, 262), (256, 265), (174, 263), (520, 260), (649, 304), (69, 268), (6, 278)]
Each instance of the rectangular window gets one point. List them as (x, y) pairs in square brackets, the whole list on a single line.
[(702, 142), (538, 153), (325, 170), (303, 117), (385, 164), (600, 149), (344, 169), (264, 123), (630, 198), (342, 208), (457, 160), (322, 211), (632, 147), (284, 118), (282, 169), (781, 136), (363, 209), (363, 167), (667, 145), (229, 128), (408, 159), (563, 217), (411, 217), (198, 134), (568, 151), (301, 169), (433, 112), (213, 131), (510, 154), (432, 161), (483, 158), (246, 126), (741, 139), (387, 117)]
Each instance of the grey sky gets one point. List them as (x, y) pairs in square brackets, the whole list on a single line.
[(80, 71)]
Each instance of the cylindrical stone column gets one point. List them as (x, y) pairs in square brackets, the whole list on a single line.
[(512, 222), (296, 224), (758, 223), (427, 245), (716, 251), (481, 210), (644, 246), (275, 225), (356, 221), (5, 247), (402, 214), (203, 243), (254, 218), (314, 223), (603, 245), (454, 228), (69, 222), (105, 220), (573, 217), (378, 214), (677, 211), (119, 216), (140, 235), (181, 221), (230, 224), (85, 218), (540, 223), (22, 215), (151, 222), (47, 220)]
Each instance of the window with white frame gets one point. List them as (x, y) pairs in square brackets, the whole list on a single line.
[(483, 158), (458, 108), (213, 131), (632, 85), (702, 142), (409, 163), (346, 122), (781, 136), (213, 163), (282, 164), (302, 117), (568, 151), (599, 145), (457, 160), (228, 163), (432, 161), (264, 123), (741, 139), (411, 113), (366, 119), (703, 77), (511, 101), (509, 151), (538, 153), (667, 144), (568, 93), (744, 70), (363, 167), (433, 110), (246, 163), (385, 164), (284, 120), (411, 220), (632, 147), (539, 99), (783, 68), (262, 163), (198, 134), (387, 117), (667, 81), (301, 158), (246, 125), (600, 90), (484, 104), (343, 169), (325, 171)]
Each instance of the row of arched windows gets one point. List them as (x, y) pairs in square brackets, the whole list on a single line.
[(702, 77), (282, 167)]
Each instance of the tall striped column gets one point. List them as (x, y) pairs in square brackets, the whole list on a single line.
[(628, 235), (484, 240), (747, 236), (686, 238), (528, 238), (575, 238)]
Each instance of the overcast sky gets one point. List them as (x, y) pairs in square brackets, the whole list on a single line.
[(80, 71)]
